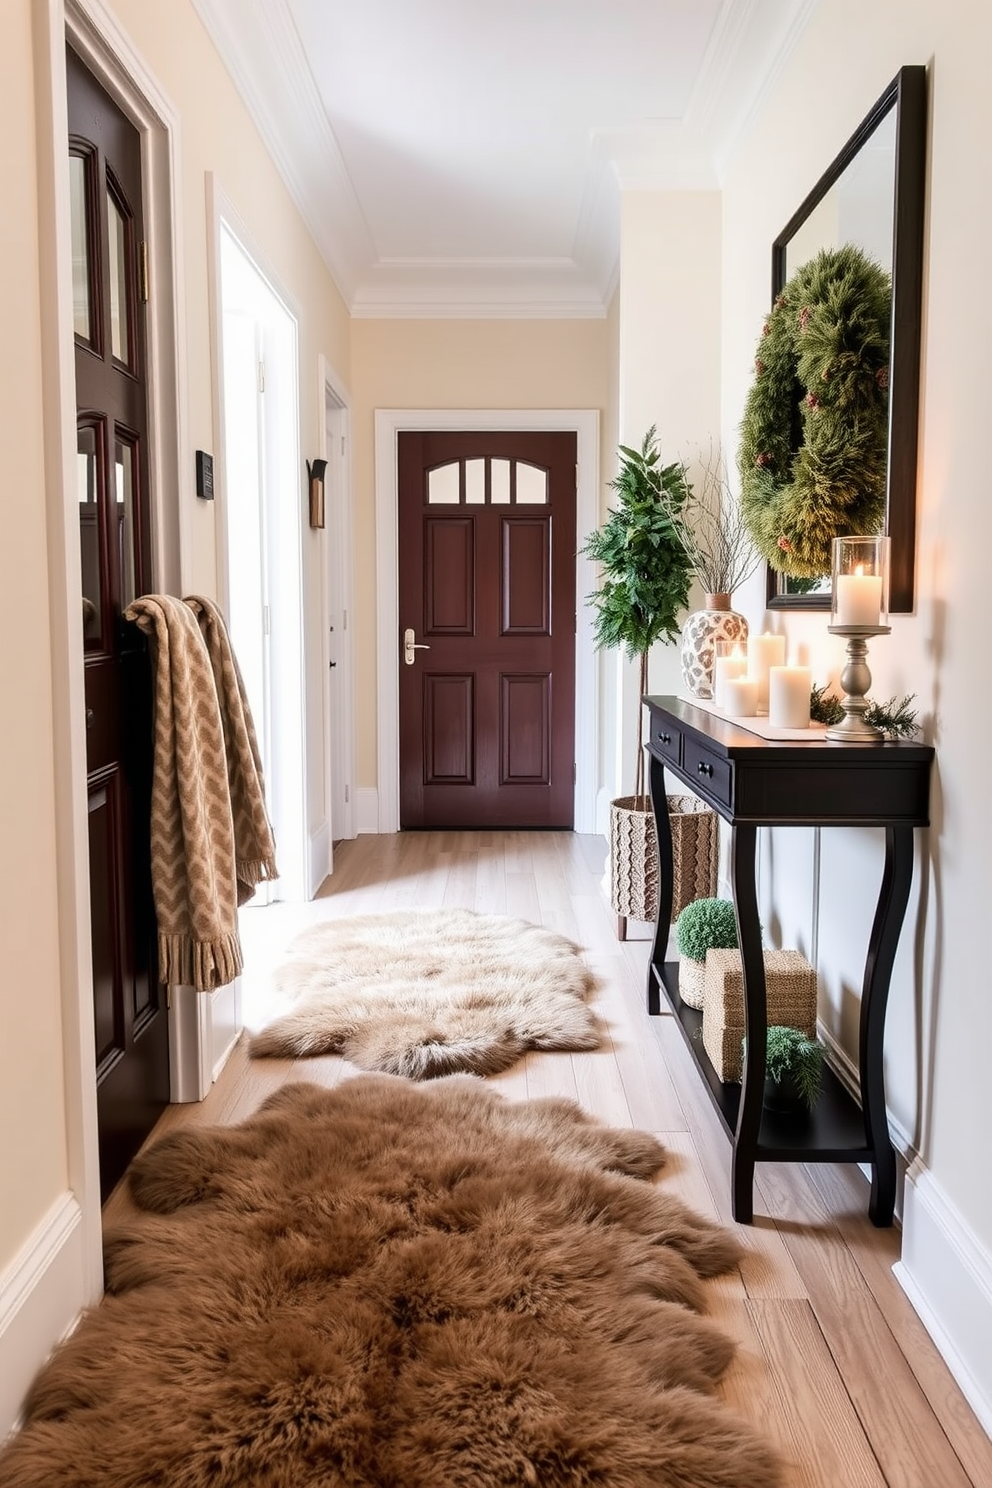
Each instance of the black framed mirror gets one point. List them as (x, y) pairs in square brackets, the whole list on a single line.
[(873, 195)]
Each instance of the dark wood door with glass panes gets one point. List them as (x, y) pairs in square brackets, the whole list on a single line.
[(130, 1018), (486, 650)]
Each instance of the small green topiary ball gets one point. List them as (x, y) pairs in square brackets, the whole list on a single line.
[(706, 925)]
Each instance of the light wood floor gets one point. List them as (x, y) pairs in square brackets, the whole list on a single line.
[(833, 1362)]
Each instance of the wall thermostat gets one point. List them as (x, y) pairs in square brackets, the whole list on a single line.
[(204, 475)]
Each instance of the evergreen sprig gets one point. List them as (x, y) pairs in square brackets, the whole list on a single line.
[(788, 1052), (895, 717), (824, 707)]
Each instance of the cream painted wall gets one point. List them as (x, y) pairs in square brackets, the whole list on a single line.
[(218, 136), (451, 364), (669, 365), (33, 1154), (38, 1149), (940, 1020)]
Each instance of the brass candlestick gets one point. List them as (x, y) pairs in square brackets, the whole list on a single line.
[(856, 680)]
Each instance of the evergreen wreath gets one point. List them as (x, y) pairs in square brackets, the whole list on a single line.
[(815, 427)]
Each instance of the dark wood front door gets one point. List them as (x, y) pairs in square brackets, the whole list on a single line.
[(487, 596), (130, 1017)]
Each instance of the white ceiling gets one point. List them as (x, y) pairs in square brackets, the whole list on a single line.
[(466, 157)]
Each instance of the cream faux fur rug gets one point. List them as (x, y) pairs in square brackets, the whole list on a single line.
[(392, 1285), (430, 992)]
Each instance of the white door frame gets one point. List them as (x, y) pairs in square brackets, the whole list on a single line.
[(338, 579), (107, 51), (287, 635), (389, 422)]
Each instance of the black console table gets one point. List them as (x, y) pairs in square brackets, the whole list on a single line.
[(753, 782)]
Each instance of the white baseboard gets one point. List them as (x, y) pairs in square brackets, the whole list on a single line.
[(603, 799), (225, 1024), (946, 1273), (318, 857), (366, 809), (203, 1029), (42, 1292)]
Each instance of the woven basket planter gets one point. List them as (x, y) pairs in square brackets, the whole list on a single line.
[(692, 981), (790, 995), (634, 856)]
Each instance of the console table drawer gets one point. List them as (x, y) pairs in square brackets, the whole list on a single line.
[(666, 741), (708, 773)]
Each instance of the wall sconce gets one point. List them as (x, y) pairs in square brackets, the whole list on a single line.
[(315, 475)]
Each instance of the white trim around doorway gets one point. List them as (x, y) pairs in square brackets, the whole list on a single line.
[(334, 408), (389, 422), (100, 41)]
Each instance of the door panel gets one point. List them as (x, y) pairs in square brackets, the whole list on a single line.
[(130, 1015), (450, 577), (487, 707), (526, 587), (449, 732), (525, 730)]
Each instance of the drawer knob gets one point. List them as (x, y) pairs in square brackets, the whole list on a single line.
[(665, 738), (704, 768)]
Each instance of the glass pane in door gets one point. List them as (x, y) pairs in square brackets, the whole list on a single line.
[(475, 482), (444, 484), (499, 482), (125, 466), (82, 313), (88, 465), (120, 330), (532, 484)]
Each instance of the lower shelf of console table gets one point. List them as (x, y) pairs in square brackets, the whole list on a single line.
[(834, 1131)]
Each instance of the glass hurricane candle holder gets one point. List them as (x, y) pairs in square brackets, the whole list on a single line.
[(860, 582), (859, 609)]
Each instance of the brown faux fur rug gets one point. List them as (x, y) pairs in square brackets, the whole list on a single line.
[(424, 993), (394, 1285)]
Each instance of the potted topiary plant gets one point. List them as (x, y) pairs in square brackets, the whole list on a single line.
[(705, 925), (645, 587), (793, 1070)]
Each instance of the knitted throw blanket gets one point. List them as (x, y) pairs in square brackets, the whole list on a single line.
[(254, 847), (192, 830)]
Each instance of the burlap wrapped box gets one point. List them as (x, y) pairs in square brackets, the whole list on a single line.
[(790, 994)]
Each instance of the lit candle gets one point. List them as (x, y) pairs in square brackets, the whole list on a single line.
[(740, 697), (725, 668), (788, 696), (859, 597), (764, 651)]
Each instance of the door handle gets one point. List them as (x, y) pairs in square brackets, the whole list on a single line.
[(410, 646)]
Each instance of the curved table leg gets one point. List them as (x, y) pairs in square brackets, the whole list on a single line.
[(666, 869), (742, 855), (890, 911)]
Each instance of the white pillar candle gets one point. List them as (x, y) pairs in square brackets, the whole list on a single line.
[(740, 697), (725, 668), (764, 651), (788, 696), (859, 598)]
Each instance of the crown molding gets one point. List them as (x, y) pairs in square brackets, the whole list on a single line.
[(762, 54), (259, 45), (510, 289)]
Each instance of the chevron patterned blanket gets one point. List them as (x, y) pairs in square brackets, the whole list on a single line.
[(194, 873), (254, 848)]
